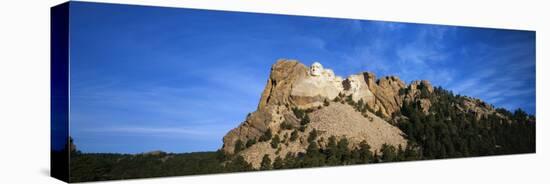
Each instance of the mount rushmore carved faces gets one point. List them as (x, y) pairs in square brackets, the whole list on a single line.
[(316, 69)]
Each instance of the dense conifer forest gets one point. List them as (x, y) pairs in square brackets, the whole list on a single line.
[(444, 132)]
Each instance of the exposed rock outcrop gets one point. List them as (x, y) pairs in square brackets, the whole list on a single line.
[(293, 86), (336, 119), (387, 92), (273, 106)]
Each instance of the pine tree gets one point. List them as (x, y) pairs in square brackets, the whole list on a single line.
[(289, 161), (286, 126), (266, 163), (360, 105), (267, 135), (365, 155), (343, 151), (238, 164), (275, 141), (388, 153), (313, 157), (332, 151), (250, 142), (312, 136), (238, 146), (294, 135), (305, 120), (278, 163)]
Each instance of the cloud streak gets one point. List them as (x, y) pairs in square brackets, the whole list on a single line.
[(496, 66), (151, 91)]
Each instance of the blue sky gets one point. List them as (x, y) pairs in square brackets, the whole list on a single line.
[(149, 78)]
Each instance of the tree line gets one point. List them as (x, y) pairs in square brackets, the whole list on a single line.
[(446, 131), (449, 132)]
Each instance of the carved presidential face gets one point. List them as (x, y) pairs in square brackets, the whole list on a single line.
[(354, 83), (328, 73), (316, 69)]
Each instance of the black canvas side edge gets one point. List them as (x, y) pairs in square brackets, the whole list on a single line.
[(59, 83)]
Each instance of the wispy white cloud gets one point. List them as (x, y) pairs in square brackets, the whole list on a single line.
[(367, 58), (504, 74), (427, 46), (419, 58)]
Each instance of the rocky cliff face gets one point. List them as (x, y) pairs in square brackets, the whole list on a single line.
[(274, 104), (332, 105)]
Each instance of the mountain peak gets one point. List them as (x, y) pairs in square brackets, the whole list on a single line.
[(299, 101)]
